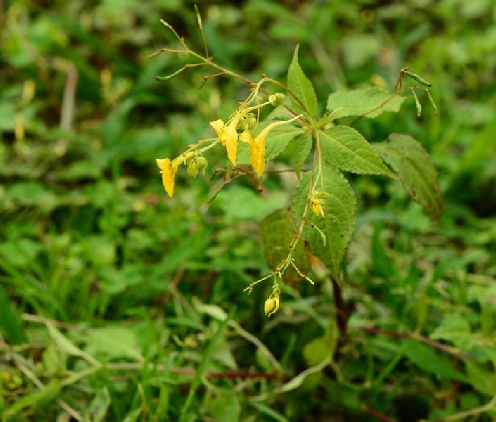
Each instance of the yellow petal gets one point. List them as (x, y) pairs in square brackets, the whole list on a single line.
[(246, 137), (168, 171), (231, 142), (257, 158), (162, 162), (316, 206), (218, 126)]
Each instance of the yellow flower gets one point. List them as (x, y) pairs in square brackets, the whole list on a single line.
[(227, 135), (257, 147), (168, 171), (316, 204)]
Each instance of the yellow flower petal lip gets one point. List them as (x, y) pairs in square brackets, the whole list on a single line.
[(218, 126), (162, 162), (246, 137)]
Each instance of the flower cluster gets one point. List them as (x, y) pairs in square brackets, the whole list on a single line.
[(241, 126)]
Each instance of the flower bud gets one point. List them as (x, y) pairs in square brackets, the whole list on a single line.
[(249, 121), (195, 164), (192, 167), (276, 99), (202, 163), (271, 306)]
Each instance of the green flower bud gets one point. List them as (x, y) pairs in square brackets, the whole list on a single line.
[(195, 164), (192, 167), (276, 99), (249, 121)]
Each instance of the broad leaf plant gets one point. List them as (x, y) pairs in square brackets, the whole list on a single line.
[(319, 223)]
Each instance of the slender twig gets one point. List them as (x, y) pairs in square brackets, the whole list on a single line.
[(202, 32)]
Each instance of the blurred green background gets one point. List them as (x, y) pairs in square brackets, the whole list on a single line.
[(113, 297)]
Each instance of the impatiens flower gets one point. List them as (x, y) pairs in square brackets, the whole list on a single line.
[(168, 170), (227, 134), (257, 147), (315, 203)]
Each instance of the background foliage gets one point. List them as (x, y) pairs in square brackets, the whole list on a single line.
[(113, 299)]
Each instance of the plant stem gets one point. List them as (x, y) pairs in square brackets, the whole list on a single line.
[(342, 314)]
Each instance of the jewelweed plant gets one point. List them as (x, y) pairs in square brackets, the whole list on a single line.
[(319, 223)]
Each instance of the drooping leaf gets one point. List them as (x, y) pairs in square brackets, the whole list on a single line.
[(301, 86), (415, 170), (302, 147), (277, 232), (368, 102), (346, 149), (338, 224)]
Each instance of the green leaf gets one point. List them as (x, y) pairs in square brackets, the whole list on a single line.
[(363, 102), (317, 350), (113, 342), (429, 361), (277, 232), (98, 408), (277, 142), (67, 346), (266, 410), (482, 378), (301, 86), (223, 406), (339, 221), (302, 147), (415, 170), (346, 149), (455, 329)]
